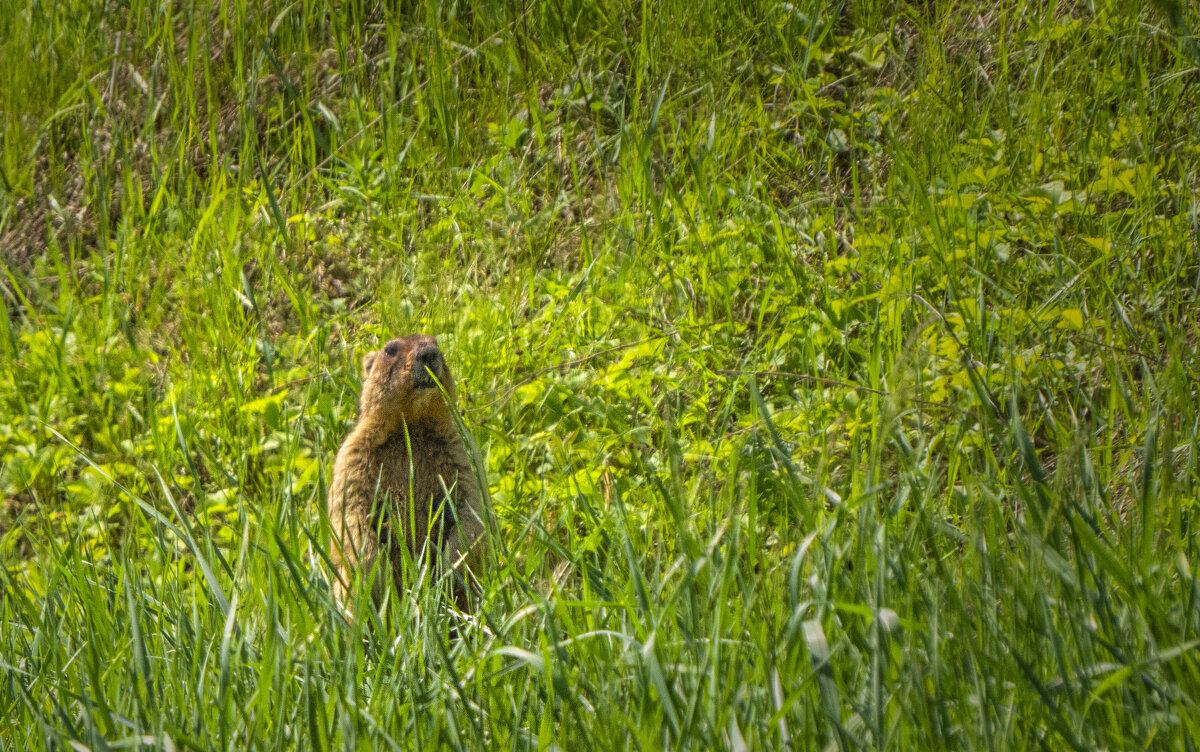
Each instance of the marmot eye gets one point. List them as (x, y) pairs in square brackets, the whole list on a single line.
[(392, 349)]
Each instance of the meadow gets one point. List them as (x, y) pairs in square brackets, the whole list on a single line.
[(834, 365)]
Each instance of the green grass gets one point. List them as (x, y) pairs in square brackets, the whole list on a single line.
[(835, 367)]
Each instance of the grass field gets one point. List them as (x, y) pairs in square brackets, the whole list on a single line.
[(835, 366)]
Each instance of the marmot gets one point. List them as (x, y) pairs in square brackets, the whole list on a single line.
[(384, 496)]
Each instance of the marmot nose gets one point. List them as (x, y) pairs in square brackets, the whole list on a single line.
[(427, 358)]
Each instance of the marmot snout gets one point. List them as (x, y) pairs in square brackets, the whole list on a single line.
[(400, 464)]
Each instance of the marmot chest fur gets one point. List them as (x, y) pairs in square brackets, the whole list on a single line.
[(404, 477)]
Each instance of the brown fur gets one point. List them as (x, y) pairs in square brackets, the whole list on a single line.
[(382, 495)]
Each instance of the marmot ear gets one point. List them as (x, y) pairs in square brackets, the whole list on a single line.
[(368, 361)]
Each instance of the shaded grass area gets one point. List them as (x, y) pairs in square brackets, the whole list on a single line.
[(835, 368)]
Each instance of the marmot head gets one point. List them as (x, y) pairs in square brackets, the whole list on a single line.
[(401, 381)]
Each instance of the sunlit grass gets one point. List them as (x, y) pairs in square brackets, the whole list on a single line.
[(835, 369)]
